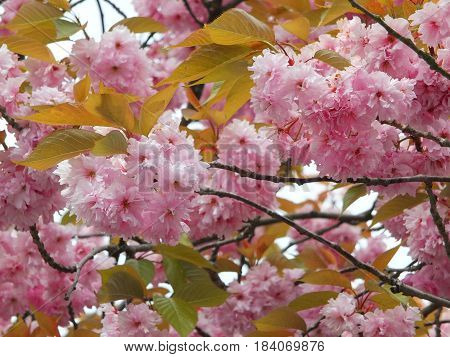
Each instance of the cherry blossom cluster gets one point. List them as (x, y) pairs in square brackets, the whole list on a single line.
[(27, 282), (341, 318), (332, 117), (147, 192)]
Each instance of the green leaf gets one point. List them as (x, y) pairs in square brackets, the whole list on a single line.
[(113, 143), (237, 26), (332, 58), (327, 277), (120, 282), (396, 206), (281, 318), (65, 29), (144, 267), (185, 254), (28, 47), (352, 194), (206, 60), (193, 284), (69, 218), (154, 107), (299, 27), (141, 25), (382, 261), (112, 107), (310, 300), (181, 315), (58, 146), (202, 293)]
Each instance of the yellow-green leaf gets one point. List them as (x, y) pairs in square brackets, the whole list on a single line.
[(113, 143), (337, 9), (280, 318), (205, 60), (154, 107), (238, 95), (310, 300), (141, 25), (299, 27), (120, 282), (28, 47), (60, 145), (65, 29), (236, 26), (68, 114), (327, 277), (112, 107), (185, 254), (332, 58), (62, 4), (397, 205), (196, 38), (181, 315), (382, 261), (352, 194), (33, 13), (81, 89)]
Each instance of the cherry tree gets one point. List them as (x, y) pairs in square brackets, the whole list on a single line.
[(194, 171)]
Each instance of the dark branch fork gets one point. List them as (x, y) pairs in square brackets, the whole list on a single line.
[(406, 289)]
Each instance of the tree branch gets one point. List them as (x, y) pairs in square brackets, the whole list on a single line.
[(423, 55), (406, 289), (102, 15), (416, 133), (46, 255), (301, 181), (436, 217), (189, 9), (9, 120), (115, 7)]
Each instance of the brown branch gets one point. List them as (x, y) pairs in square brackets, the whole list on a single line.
[(416, 133), (301, 181), (46, 255), (115, 7), (406, 289), (102, 15), (10, 120), (436, 217), (189, 9)]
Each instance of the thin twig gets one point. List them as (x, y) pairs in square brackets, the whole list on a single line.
[(145, 43), (417, 133), (408, 42), (189, 9), (102, 15), (115, 7), (46, 255), (436, 217), (9, 120), (406, 289)]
